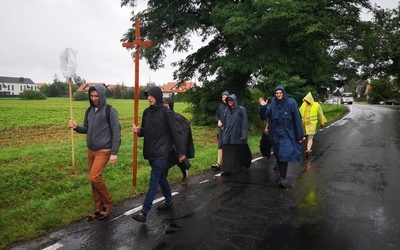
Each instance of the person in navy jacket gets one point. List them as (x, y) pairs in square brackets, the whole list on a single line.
[(285, 128)]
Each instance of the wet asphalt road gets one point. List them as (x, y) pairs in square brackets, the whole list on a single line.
[(344, 196)]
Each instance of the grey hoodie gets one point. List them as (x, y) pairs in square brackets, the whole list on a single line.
[(100, 135)]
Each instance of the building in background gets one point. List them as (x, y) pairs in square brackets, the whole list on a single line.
[(13, 86), (175, 88)]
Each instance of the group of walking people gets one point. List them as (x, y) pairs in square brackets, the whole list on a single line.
[(287, 127), (164, 146)]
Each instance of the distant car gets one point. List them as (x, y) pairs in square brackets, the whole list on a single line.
[(391, 102), (346, 98)]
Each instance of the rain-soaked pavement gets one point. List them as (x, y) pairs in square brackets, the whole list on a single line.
[(344, 196)]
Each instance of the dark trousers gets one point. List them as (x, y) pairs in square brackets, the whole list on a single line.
[(157, 177), (282, 166)]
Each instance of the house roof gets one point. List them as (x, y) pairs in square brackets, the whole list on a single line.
[(39, 85), (113, 86), (21, 80), (86, 85), (174, 87)]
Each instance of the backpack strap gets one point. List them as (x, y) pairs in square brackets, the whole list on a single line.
[(108, 110), (88, 110)]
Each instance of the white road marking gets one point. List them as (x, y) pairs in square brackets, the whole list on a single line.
[(137, 209), (129, 212), (54, 246), (340, 122), (254, 160)]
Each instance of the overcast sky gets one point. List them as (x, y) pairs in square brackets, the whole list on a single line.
[(33, 33)]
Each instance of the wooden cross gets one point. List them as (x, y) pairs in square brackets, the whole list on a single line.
[(136, 44)]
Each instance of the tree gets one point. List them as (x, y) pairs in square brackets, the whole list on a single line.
[(381, 90), (382, 45), (247, 39), (56, 89), (117, 92), (78, 80), (32, 95)]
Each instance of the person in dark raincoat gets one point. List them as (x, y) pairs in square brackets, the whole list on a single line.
[(236, 151), (159, 129), (173, 160), (285, 128)]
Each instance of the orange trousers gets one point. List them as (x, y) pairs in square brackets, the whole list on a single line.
[(97, 162)]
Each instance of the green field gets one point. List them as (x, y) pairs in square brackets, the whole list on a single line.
[(42, 192)]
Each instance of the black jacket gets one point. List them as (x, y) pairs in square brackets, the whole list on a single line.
[(159, 129)]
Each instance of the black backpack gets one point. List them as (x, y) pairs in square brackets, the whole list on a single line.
[(185, 131), (265, 145)]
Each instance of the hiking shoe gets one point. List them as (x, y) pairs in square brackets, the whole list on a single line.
[(216, 166), (165, 205), (275, 167), (104, 213), (225, 174), (93, 216), (184, 182), (281, 183), (141, 217)]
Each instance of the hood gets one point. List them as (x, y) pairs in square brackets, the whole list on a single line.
[(102, 94), (280, 87), (170, 102), (308, 98), (223, 93), (232, 97), (156, 92)]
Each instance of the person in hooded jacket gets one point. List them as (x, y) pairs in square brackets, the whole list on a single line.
[(236, 151), (103, 139), (218, 117), (173, 160), (159, 130), (311, 112), (285, 128)]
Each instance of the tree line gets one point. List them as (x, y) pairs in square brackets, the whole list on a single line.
[(61, 89)]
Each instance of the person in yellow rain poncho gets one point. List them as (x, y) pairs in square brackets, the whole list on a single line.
[(311, 112)]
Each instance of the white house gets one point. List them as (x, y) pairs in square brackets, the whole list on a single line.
[(13, 86)]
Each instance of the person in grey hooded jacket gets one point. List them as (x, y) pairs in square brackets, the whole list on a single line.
[(103, 139)]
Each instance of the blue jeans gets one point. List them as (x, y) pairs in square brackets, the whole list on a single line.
[(158, 176)]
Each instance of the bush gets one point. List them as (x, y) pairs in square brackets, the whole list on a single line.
[(80, 96), (32, 95)]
